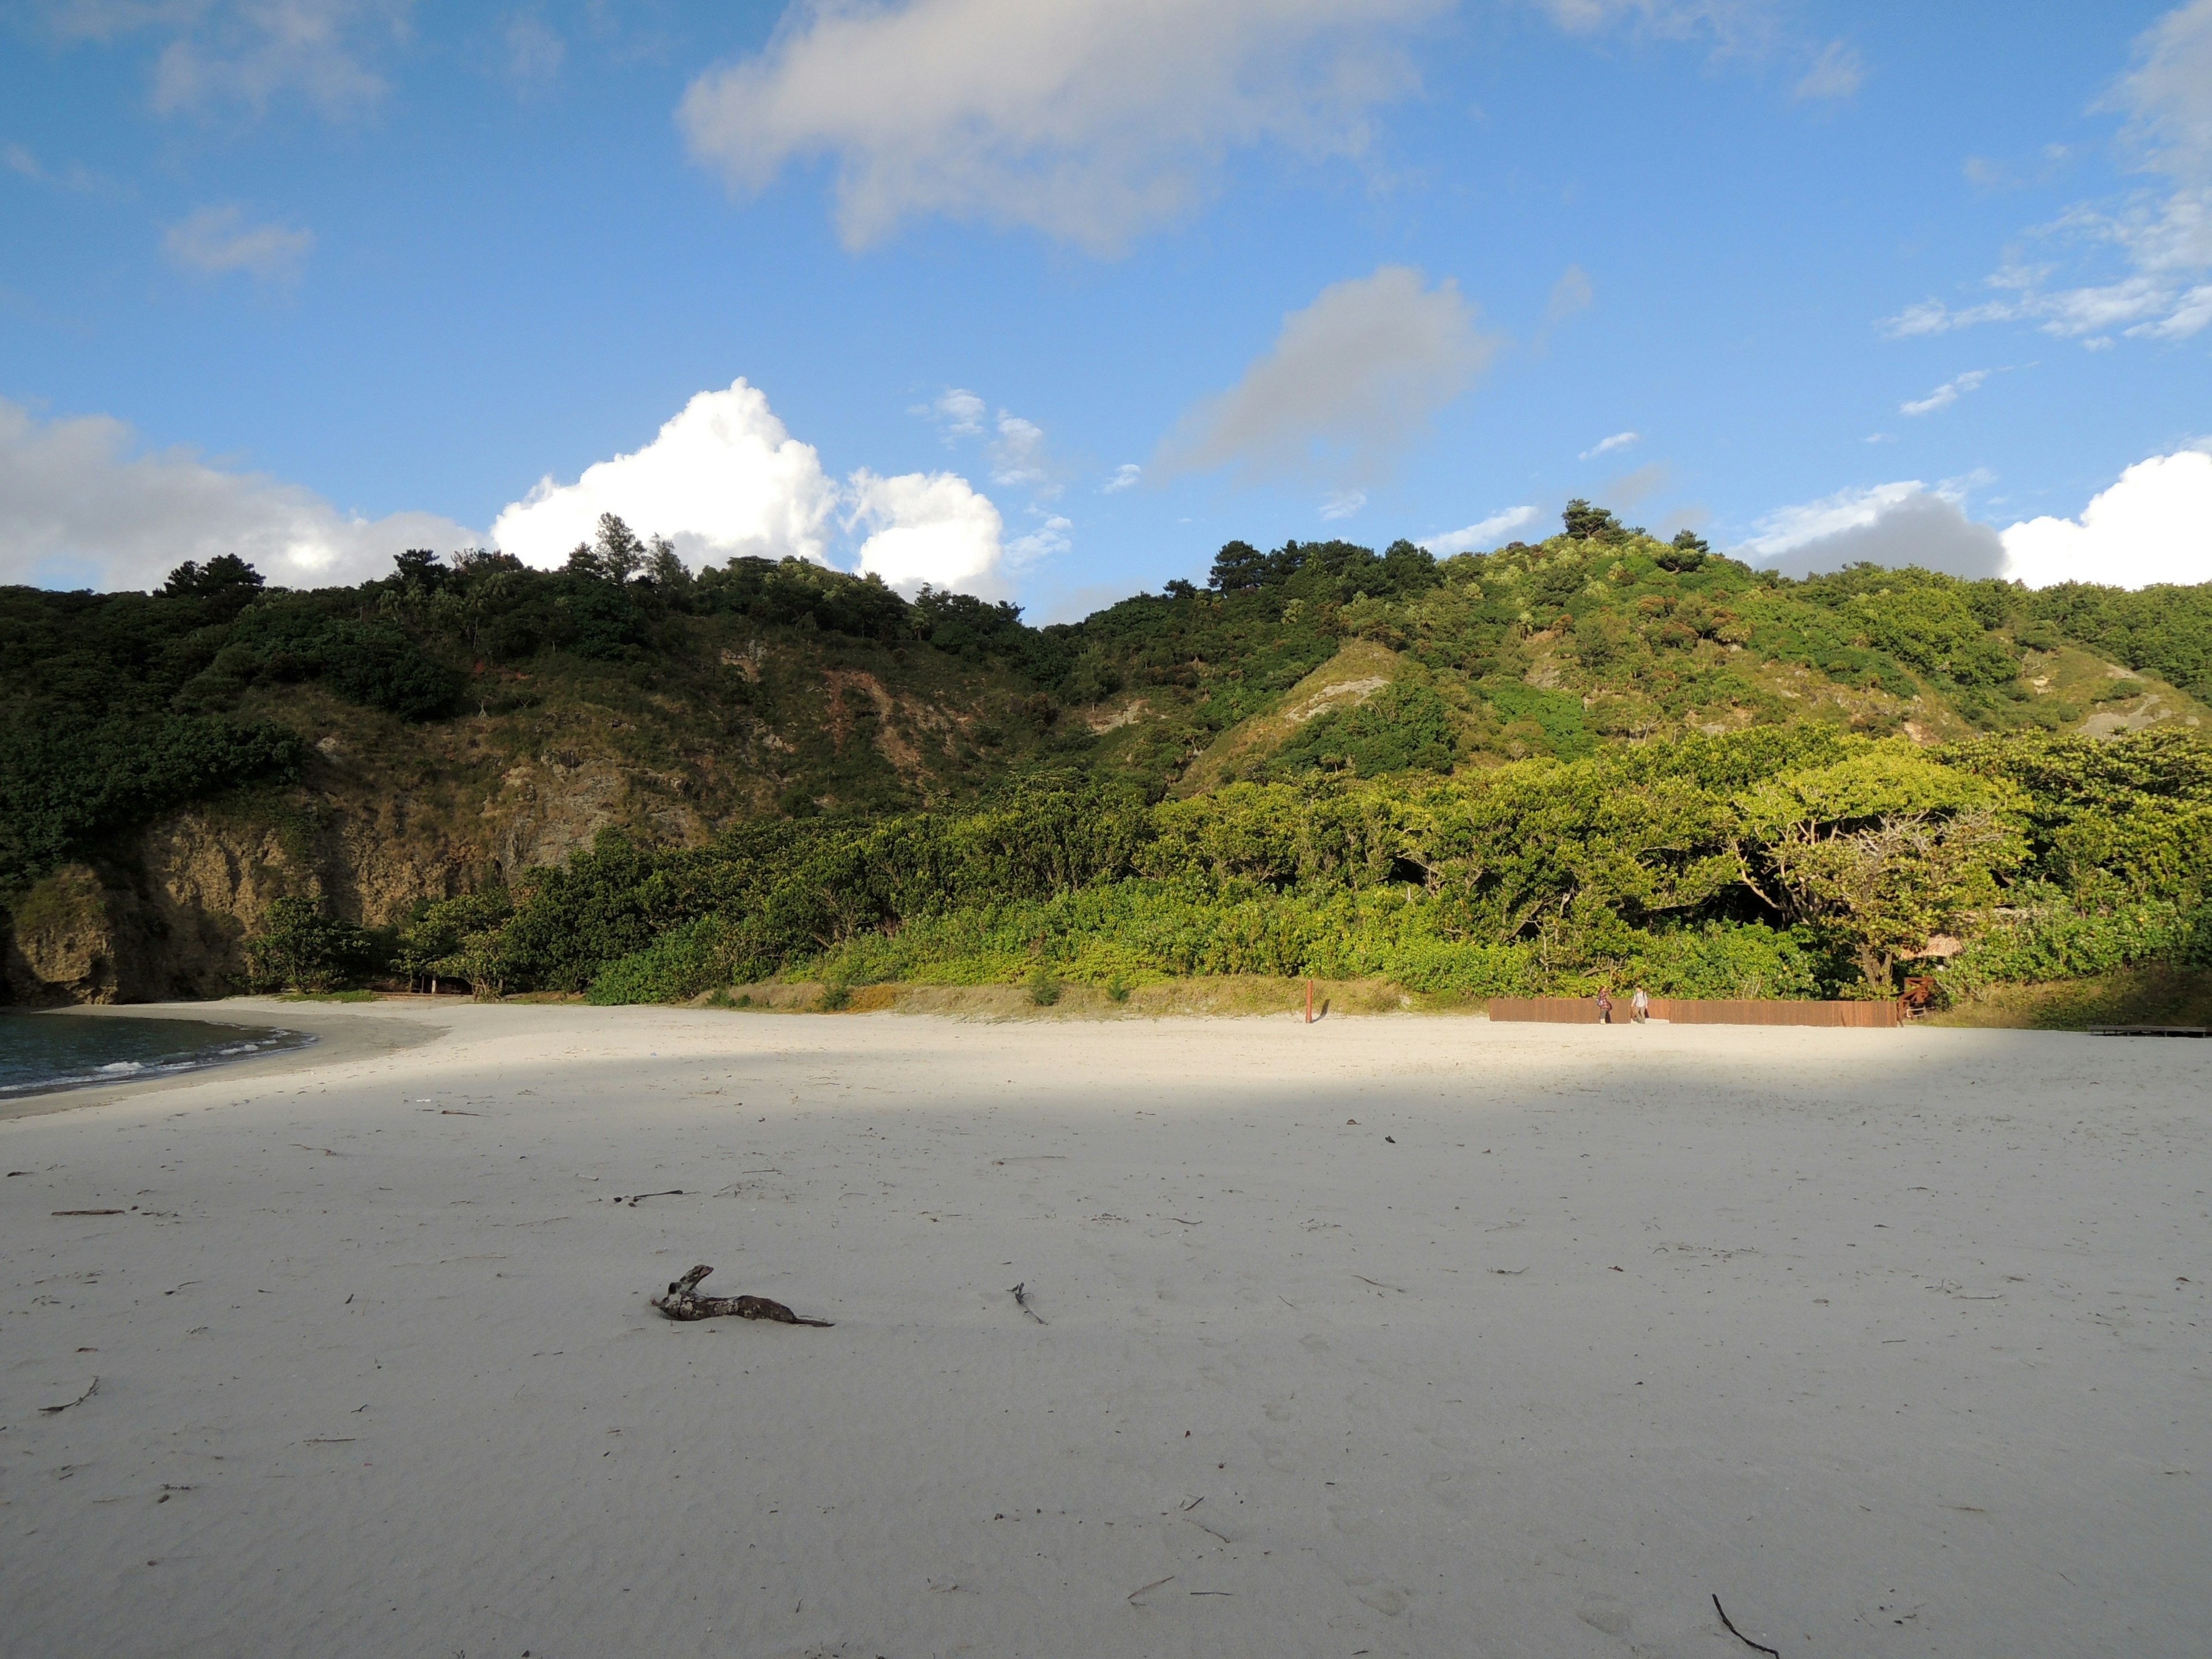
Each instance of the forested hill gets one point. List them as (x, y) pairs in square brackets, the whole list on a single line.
[(465, 718)]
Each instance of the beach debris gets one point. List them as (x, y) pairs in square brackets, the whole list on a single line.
[(89, 1212), (48, 1411), (1021, 1300), (1738, 1634), (635, 1199), (682, 1301), (1154, 1585)]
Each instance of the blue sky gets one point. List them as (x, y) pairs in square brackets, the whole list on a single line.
[(318, 279)]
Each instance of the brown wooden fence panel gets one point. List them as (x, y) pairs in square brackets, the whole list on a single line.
[(1683, 1012), (1582, 1011), (1551, 1011)]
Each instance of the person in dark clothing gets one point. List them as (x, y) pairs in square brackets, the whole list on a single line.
[(1604, 1008)]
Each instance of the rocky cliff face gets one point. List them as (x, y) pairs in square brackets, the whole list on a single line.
[(166, 916)]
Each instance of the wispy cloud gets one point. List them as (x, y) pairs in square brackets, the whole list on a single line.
[(1946, 394), (1017, 454), (1127, 475), (1572, 293), (1047, 541), (1342, 503), (535, 52), (1836, 73), (958, 413), (217, 241), (23, 163), (2148, 259), (1607, 445)]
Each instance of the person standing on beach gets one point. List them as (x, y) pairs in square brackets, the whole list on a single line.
[(1640, 1005), (1605, 1007)]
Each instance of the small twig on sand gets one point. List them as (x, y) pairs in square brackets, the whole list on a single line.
[(683, 1302), (1022, 1300), (1377, 1284), (635, 1199), (88, 1212), (48, 1411), (1154, 1585), (1738, 1634)]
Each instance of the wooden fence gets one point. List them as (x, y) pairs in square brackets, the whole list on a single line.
[(1583, 1011)]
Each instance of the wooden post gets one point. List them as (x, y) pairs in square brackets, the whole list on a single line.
[(1308, 1002)]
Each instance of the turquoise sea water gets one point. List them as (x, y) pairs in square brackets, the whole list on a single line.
[(42, 1052)]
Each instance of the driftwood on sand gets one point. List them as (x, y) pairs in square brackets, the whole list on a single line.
[(683, 1301)]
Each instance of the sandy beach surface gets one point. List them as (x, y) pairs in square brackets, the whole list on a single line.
[(1393, 1336)]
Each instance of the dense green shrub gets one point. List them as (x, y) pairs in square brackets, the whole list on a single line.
[(298, 948), (1780, 863)]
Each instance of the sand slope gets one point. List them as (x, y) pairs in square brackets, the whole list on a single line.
[(1896, 1341)]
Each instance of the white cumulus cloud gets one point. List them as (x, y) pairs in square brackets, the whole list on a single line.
[(1127, 475), (1895, 525), (81, 505), (725, 479), (2154, 524), (928, 528), (1349, 380), (1089, 120), (1484, 534)]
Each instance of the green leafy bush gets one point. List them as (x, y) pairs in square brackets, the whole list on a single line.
[(298, 948)]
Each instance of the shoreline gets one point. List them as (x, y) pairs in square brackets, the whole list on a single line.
[(341, 1034)]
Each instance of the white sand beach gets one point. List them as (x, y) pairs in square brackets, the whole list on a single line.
[(1387, 1336)]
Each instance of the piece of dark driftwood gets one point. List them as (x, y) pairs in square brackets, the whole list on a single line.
[(683, 1301), (1022, 1300), (1738, 1634), (48, 1411)]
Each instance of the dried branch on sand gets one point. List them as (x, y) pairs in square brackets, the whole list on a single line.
[(683, 1301)]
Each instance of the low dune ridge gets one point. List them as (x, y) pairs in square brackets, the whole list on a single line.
[(1393, 1335)]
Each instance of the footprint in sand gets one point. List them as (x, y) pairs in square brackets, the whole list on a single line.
[(1604, 1612), (1380, 1593)]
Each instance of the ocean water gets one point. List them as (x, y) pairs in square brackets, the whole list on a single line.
[(42, 1052)]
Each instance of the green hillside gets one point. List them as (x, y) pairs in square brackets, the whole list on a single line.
[(1537, 767)]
